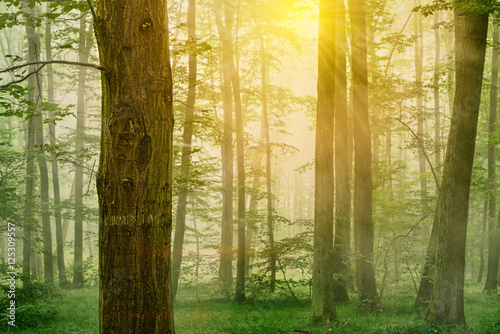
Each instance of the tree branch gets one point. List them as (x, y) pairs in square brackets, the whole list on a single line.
[(46, 62), (414, 135), (42, 65)]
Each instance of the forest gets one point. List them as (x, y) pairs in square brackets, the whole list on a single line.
[(249, 166)]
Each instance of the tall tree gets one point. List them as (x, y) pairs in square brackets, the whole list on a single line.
[(342, 186), (53, 158), (419, 70), (28, 214), (240, 156), (84, 46), (493, 239), (363, 197), (322, 302), (226, 253), (437, 107), (180, 219), (134, 179), (447, 303)]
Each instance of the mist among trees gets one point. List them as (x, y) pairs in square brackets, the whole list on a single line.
[(227, 166)]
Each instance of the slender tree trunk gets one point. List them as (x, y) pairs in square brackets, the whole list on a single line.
[(28, 215), (265, 126), (437, 107), (53, 157), (240, 263), (342, 186), (83, 50), (225, 33), (493, 240), (135, 169), (363, 211), (180, 220), (48, 269), (419, 48), (481, 246), (323, 303), (447, 303)]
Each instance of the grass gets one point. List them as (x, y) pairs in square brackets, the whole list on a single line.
[(77, 313)]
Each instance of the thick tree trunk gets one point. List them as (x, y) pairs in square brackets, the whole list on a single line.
[(226, 252), (180, 219), (134, 179), (323, 303), (447, 303), (363, 197), (342, 186), (53, 158), (493, 239)]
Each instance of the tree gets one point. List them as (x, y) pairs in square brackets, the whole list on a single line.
[(134, 179), (493, 239), (84, 46), (226, 252), (53, 158), (363, 197), (342, 188), (187, 136), (322, 302), (447, 303)]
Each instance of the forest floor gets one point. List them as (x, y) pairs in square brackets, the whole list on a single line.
[(76, 311)]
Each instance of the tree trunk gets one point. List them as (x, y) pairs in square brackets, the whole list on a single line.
[(323, 303), (53, 158), (342, 186), (265, 125), (363, 211), (180, 219), (493, 240), (481, 246), (134, 179), (447, 304), (437, 107), (419, 53), (240, 263), (84, 50), (28, 216), (226, 252)]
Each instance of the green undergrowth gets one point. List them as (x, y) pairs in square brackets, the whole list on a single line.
[(76, 312)]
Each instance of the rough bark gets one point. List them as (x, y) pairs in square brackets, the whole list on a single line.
[(187, 135), (322, 302), (447, 303), (363, 197), (342, 187), (134, 178), (493, 239)]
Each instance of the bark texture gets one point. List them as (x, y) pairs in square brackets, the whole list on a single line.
[(134, 179)]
